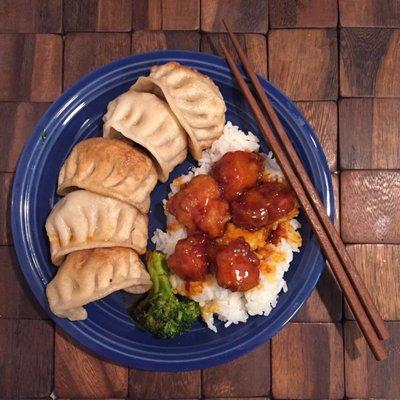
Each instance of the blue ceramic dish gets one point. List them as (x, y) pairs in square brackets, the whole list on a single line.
[(108, 331)]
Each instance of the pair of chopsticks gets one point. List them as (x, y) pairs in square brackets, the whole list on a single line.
[(364, 310)]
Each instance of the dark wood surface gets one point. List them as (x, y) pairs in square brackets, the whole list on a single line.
[(340, 61)]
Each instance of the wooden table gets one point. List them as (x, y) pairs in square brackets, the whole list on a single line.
[(340, 62)]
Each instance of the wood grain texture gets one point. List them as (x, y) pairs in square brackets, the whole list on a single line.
[(246, 376), (238, 398), (303, 13), (31, 16), (254, 45), (180, 14), (97, 15), (374, 13), (26, 358), (370, 211), (372, 53), (378, 266), (18, 120), (81, 374), (369, 133), (5, 201), (322, 115), (147, 14), (307, 362), (303, 63), (16, 300), (161, 40), (366, 377), (240, 15), (32, 65), (146, 385), (102, 47)]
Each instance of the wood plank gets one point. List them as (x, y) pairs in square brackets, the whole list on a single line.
[(31, 16), (374, 13), (303, 13), (161, 40), (366, 377), (241, 15), (5, 202), (369, 132), (246, 376), (254, 45), (32, 67), (370, 210), (322, 115), (145, 385), (147, 14), (307, 362), (325, 302), (97, 15), (303, 63), (81, 374), (238, 398), (26, 358), (380, 48), (19, 120), (181, 14), (102, 47), (378, 265), (16, 299)]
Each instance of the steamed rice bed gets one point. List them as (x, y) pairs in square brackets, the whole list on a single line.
[(232, 307)]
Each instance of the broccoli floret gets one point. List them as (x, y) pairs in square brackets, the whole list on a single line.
[(162, 313)]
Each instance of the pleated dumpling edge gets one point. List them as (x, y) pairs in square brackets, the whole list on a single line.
[(90, 275), (193, 97), (147, 120), (111, 168), (85, 220)]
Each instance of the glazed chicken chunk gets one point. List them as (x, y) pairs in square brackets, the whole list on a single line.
[(237, 171), (199, 206), (237, 266), (262, 205), (189, 260)]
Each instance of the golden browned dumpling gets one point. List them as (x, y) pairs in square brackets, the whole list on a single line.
[(194, 99), (90, 275), (85, 220), (148, 121), (111, 168)]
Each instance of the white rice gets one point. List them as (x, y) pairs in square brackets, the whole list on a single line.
[(232, 307)]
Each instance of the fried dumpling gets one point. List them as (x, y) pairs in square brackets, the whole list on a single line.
[(85, 220), (194, 99), (111, 168), (148, 121), (90, 275)]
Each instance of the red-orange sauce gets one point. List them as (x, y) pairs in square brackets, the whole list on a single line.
[(235, 252)]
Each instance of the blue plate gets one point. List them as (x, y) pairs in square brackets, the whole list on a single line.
[(108, 331)]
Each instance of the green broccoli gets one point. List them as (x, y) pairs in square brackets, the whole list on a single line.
[(161, 312)]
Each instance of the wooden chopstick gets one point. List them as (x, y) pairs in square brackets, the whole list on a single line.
[(350, 269), (354, 302)]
